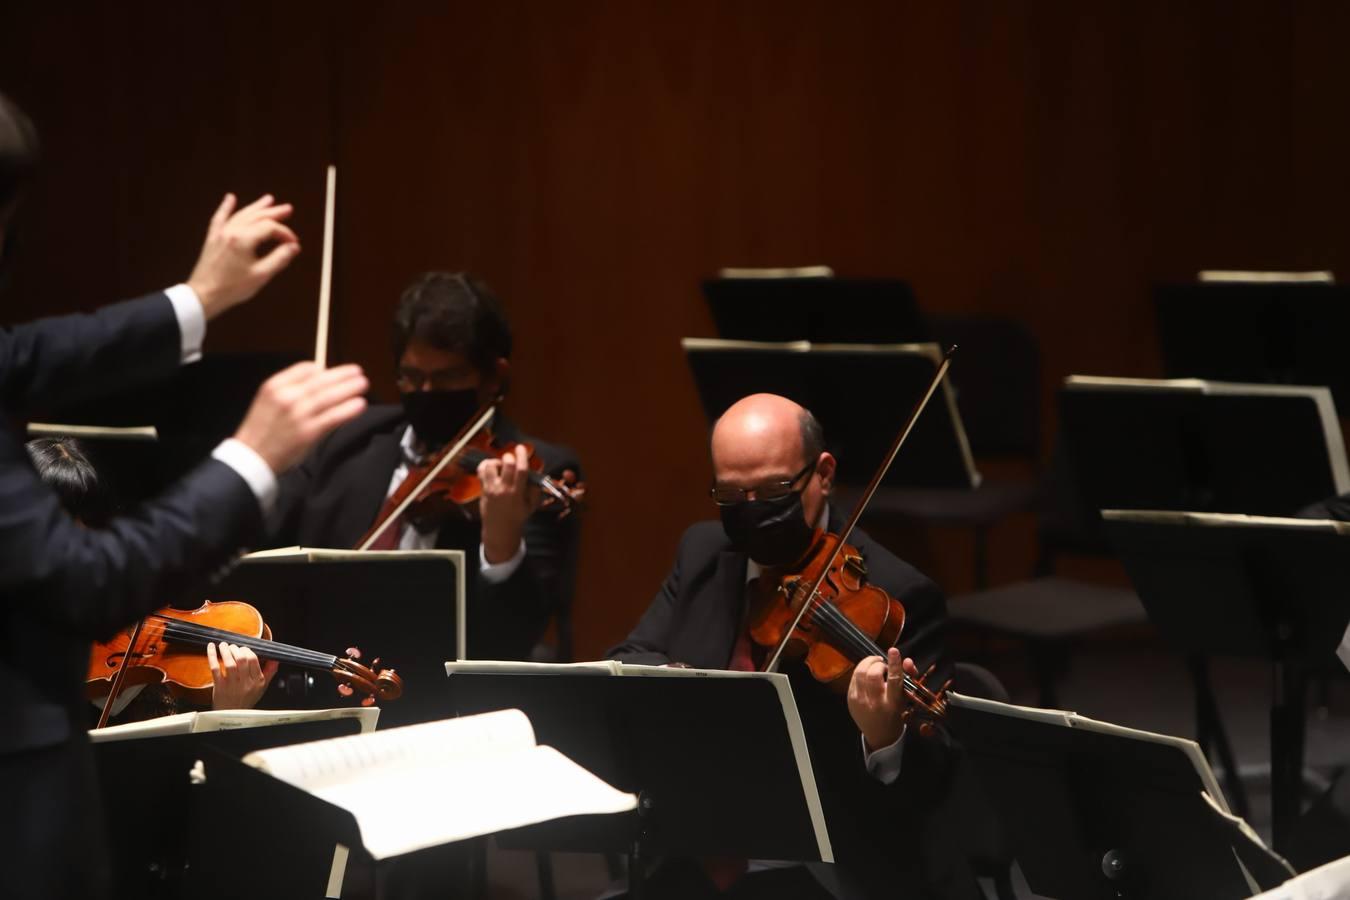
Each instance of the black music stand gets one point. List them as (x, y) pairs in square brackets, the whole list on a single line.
[(147, 796), (406, 607), (1266, 332), (828, 310), (1093, 811), (750, 793), (1269, 589), (841, 385), (193, 410), (1198, 445)]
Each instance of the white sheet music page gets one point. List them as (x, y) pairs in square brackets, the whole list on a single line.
[(439, 782)]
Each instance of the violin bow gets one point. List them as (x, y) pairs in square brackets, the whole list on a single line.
[(326, 274), (479, 422), (120, 676), (861, 506)]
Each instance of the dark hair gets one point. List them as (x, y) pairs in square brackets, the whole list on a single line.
[(456, 312), (18, 150), (62, 463), (813, 436)]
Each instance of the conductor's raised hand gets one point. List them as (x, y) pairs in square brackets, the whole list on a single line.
[(233, 266), (877, 699), (297, 406)]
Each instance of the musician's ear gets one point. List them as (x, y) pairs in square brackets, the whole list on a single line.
[(825, 469), (496, 382)]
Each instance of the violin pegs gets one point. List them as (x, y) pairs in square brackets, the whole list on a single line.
[(926, 730), (345, 690), (375, 663), (367, 700), (353, 652)]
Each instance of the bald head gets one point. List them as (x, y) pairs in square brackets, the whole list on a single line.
[(766, 438)]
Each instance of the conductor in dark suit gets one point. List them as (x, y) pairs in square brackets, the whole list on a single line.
[(878, 778), (62, 584), (451, 351)]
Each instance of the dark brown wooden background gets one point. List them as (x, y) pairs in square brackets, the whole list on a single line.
[(592, 160)]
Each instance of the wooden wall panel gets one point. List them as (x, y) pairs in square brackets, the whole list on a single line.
[(592, 161)]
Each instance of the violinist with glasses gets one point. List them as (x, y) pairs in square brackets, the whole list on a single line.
[(452, 348), (878, 774)]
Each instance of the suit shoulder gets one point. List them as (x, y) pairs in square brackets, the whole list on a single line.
[(890, 572), (376, 420), (704, 538)]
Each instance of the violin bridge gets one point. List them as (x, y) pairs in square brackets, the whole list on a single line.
[(857, 564)]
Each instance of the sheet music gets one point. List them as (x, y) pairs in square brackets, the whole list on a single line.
[(438, 782), (229, 719), (318, 763)]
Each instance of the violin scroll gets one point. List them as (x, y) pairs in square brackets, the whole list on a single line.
[(374, 683)]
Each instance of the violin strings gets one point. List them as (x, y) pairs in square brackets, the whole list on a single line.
[(846, 631), (177, 629)]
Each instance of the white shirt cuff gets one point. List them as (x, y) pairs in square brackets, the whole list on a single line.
[(884, 764), (255, 471), (187, 309), (496, 573)]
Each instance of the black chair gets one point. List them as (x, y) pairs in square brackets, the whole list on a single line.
[(1050, 613)]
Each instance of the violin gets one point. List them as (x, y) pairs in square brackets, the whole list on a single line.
[(447, 482), (170, 647), (823, 609)]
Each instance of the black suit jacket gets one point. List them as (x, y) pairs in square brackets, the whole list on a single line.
[(878, 831), (63, 584), (333, 498)]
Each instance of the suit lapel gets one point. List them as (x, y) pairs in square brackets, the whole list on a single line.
[(724, 620), (373, 469)]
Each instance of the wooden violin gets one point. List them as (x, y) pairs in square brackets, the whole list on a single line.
[(447, 482), (170, 647), (823, 609)]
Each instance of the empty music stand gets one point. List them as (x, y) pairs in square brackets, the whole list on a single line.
[(406, 607), (1095, 811), (1202, 445), (841, 384), (1253, 587), (750, 793), (192, 410), (1275, 332), (828, 310)]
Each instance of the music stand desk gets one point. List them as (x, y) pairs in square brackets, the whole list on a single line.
[(861, 394), (148, 797), (405, 607), (1095, 811), (1246, 586), (719, 763)]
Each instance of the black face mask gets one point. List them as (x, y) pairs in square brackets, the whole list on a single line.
[(771, 532), (437, 416)]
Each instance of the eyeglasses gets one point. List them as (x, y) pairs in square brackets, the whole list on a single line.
[(774, 490), (409, 379)]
